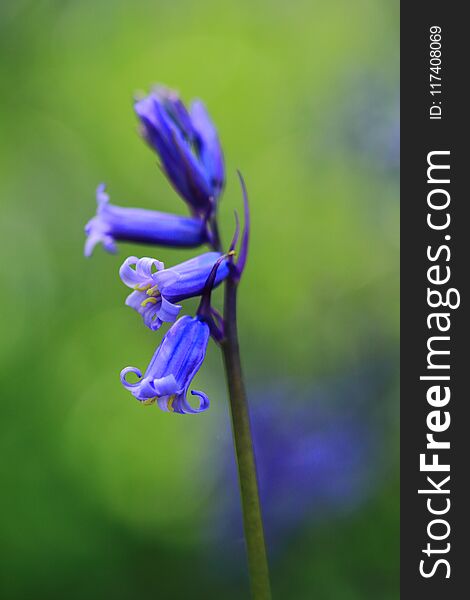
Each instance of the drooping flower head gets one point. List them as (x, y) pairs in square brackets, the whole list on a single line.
[(188, 146), (157, 290), (115, 223), (173, 367)]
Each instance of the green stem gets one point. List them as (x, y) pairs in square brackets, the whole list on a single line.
[(253, 525)]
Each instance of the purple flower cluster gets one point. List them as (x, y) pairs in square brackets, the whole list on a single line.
[(191, 157), (188, 146)]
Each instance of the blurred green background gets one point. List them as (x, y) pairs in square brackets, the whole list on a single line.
[(102, 497)]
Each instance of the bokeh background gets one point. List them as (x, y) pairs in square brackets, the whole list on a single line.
[(104, 498)]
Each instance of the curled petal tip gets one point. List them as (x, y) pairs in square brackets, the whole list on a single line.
[(139, 271), (204, 401), (127, 274), (123, 376)]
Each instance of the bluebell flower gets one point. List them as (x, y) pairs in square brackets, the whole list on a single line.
[(115, 223), (172, 368), (157, 290), (188, 146)]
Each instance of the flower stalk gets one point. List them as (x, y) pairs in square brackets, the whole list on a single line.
[(241, 428), (252, 520)]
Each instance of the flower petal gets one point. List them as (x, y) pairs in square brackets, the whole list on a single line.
[(127, 274), (143, 272), (151, 319), (95, 236), (211, 150), (124, 381), (205, 402), (146, 390), (168, 129), (102, 197), (135, 299), (168, 311), (166, 386), (181, 405), (166, 278), (145, 266), (188, 278)]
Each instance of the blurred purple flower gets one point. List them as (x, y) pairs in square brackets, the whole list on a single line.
[(172, 368), (156, 289), (310, 459), (188, 146), (115, 223), (315, 454)]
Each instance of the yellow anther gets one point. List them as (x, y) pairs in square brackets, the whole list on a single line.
[(149, 401), (138, 288), (170, 404), (147, 300), (231, 253), (153, 291)]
